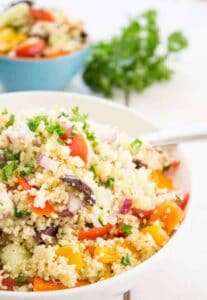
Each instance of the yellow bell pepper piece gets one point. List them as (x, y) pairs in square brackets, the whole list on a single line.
[(161, 180), (73, 254), (106, 254), (107, 271), (9, 39), (158, 234), (169, 214)]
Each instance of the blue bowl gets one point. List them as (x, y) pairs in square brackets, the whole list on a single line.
[(41, 74)]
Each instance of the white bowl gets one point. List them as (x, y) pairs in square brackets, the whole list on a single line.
[(134, 124)]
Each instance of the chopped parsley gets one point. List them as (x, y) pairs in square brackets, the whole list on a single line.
[(126, 229), (4, 112), (90, 135), (100, 219), (136, 146), (178, 199), (89, 224), (93, 169), (55, 128), (109, 182), (8, 169), (125, 261), (29, 168), (34, 123), (77, 117), (64, 114), (8, 155), (21, 214), (166, 168), (21, 280), (10, 121)]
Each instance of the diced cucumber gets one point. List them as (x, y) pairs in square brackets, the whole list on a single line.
[(17, 15), (12, 257), (58, 39)]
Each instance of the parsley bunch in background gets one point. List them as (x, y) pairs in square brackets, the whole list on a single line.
[(132, 60)]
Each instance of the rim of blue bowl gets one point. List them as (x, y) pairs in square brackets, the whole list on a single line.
[(88, 44)]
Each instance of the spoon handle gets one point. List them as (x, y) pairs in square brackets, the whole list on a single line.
[(175, 136)]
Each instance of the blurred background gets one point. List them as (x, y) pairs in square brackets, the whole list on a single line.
[(181, 100)]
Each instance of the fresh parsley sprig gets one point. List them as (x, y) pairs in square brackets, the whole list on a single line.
[(82, 118), (131, 61)]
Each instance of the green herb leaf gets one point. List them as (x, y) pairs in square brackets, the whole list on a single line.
[(21, 280), (131, 61), (176, 42), (4, 112), (178, 199), (89, 224), (34, 123), (20, 214), (64, 114), (93, 169), (125, 261), (29, 169), (126, 229), (109, 182), (166, 168), (136, 146), (8, 155), (90, 135), (77, 117), (11, 121), (55, 128), (8, 170), (100, 219)]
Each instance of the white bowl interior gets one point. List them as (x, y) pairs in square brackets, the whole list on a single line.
[(125, 119)]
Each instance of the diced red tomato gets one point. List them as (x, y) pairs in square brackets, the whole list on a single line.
[(184, 201), (42, 15), (78, 147), (175, 164), (93, 233), (142, 214), (31, 49), (23, 182), (67, 134), (9, 283)]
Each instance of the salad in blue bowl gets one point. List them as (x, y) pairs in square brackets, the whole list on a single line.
[(40, 49)]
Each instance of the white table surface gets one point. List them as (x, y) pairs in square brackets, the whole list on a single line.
[(183, 275)]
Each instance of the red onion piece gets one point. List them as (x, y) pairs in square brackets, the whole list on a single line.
[(48, 163), (126, 206), (65, 213), (185, 199), (110, 139), (75, 204), (1, 217), (9, 139)]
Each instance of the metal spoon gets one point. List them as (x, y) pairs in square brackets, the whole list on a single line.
[(175, 136)]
